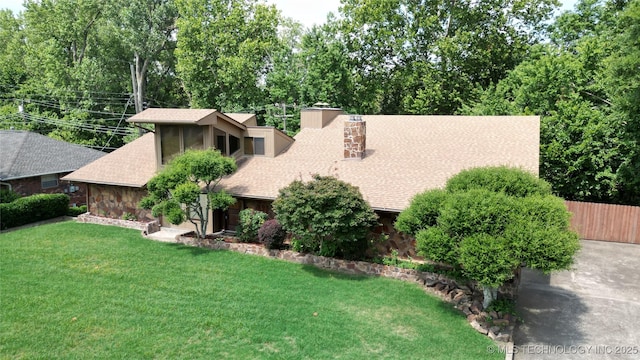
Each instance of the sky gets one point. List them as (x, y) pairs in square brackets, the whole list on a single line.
[(308, 12)]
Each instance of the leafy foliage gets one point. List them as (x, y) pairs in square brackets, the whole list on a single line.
[(583, 87), (77, 210), (30, 209), (176, 191), (272, 234), (510, 181), (489, 222), (249, 225), (7, 196), (326, 216)]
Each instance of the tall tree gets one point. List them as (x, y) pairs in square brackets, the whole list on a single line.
[(223, 51), (147, 29), (427, 56)]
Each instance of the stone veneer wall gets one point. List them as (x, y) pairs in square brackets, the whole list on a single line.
[(405, 245), (114, 201), (355, 139)]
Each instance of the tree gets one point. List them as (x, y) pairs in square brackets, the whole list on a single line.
[(146, 29), (426, 57), (326, 216), (223, 51), (490, 221), (578, 85), (186, 188)]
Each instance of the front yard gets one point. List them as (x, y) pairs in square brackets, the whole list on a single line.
[(71, 290)]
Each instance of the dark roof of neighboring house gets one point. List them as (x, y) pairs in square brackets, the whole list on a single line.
[(132, 165), (25, 154)]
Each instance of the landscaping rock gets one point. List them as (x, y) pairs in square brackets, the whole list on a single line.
[(479, 327)]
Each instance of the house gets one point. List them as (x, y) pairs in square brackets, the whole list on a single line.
[(389, 157), (117, 183), (34, 164)]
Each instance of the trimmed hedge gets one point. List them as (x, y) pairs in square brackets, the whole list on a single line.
[(33, 208)]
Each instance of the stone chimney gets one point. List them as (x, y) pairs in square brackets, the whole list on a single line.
[(355, 138)]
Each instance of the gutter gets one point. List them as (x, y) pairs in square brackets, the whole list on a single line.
[(7, 184)]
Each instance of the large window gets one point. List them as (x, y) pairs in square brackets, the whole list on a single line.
[(169, 142), (193, 137), (234, 144), (175, 139), (253, 146), (49, 181)]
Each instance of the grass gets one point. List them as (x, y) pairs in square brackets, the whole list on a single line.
[(71, 290)]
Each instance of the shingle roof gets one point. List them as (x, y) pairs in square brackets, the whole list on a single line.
[(26, 154), (162, 115), (131, 165), (405, 155)]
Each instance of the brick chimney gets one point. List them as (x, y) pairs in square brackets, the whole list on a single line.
[(355, 138)]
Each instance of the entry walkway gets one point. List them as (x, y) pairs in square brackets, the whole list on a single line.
[(589, 312), (167, 234)]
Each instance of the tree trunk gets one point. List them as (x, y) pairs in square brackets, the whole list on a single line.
[(490, 294)]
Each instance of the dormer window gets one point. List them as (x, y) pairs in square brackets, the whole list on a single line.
[(175, 139), (253, 146)]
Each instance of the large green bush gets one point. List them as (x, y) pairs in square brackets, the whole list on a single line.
[(250, 222), (488, 222), (33, 208), (326, 217)]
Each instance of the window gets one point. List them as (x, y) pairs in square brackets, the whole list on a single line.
[(221, 141), (176, 139), (169, 142), (253, 146), (234, 144), (49, 181), (193, 137)]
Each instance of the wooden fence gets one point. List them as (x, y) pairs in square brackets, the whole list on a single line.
[(606, 222)]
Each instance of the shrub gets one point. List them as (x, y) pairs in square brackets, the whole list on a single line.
[(250, 223), (272, 234), (33, 208), (77, 210), (423, 212), (7, 196), (511, 181), (326, 216)]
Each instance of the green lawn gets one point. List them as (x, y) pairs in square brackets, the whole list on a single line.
[(81, 291)]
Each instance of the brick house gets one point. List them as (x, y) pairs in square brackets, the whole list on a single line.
[(34, 164), (389, 157)]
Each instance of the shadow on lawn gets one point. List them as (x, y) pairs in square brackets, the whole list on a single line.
[(195, 250), (323, 273)]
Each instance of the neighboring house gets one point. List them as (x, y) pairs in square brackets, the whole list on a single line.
[(34, 164), (390, 158)]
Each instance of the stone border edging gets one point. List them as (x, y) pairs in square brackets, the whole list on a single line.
[(498, 327)]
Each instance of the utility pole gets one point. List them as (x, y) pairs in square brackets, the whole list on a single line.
[(284, 116)]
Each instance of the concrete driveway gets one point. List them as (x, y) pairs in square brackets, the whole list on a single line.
[(589, 312)]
